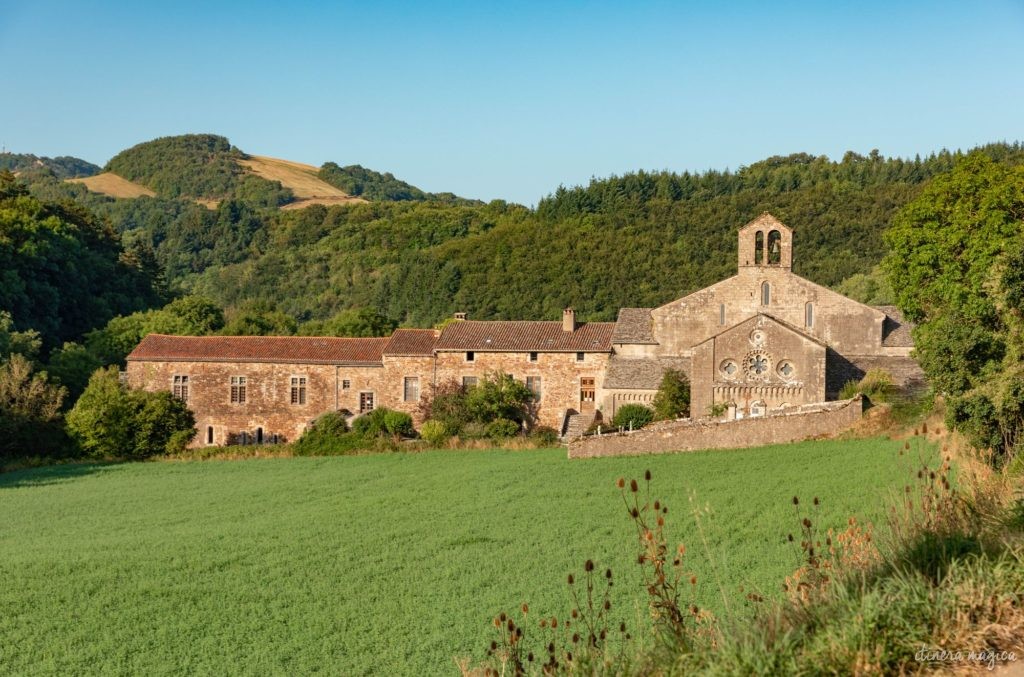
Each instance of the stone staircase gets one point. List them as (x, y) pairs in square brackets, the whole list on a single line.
[(575, 424)]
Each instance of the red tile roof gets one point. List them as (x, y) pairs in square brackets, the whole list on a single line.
[(520, 336), (284, 349), (412, 342)]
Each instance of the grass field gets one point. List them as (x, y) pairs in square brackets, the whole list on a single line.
[(389, 564), (113, 185), (302, 179)]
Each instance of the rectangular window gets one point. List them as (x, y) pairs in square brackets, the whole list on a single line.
[(533, 357), (346, 384), (238, 389), (209, 434), (469, 381), (180, 387), (534, 384), (470, 356), (298, 390), (721, 313), (579, 357), (809, 315), (411, 391), (365, 402)]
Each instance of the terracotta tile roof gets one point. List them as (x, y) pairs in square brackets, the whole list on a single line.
[(634, 326), (521, 336), (626, 373), (412, 342), (895, 329), (284, 349)]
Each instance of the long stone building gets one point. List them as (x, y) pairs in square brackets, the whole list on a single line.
[(762, 339)]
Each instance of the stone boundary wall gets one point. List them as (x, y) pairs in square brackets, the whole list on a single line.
[(787, 425)]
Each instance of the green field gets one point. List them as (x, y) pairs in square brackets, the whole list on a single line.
[(389, 564)]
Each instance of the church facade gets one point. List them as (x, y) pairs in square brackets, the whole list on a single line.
[(763, 339)]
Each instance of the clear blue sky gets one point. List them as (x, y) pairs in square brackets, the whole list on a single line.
[(509, 100)]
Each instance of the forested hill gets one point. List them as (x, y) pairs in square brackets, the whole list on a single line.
[(63, 167), (640, 239), (636, 240)]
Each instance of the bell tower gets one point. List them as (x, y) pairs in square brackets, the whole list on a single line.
[(766, 242)]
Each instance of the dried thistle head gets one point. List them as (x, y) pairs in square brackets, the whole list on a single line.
[(796, 501), (621, 482), (647, 475), (633, 486), (588, 566)]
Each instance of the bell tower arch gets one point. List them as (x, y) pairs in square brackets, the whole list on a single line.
[(765, 242)]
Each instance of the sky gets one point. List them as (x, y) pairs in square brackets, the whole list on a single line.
[(510, 99)]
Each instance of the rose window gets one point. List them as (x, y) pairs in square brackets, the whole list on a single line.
[(757, 365)]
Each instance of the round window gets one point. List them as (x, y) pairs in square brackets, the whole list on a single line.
[(786, 369), (757, 365), (729, 368), (758, 337)]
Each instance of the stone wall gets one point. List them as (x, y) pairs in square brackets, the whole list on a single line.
[(560, 375), (788, 425), (267, 405)]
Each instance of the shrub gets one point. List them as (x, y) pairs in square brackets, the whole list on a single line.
[(876, 386), (473, 431), (399, 423), (325, 435), (544, 436), (502, 428), (111, 421), (383, 421), (499, 396), (29, 411), (635, 415), (446, 403), (673, 398), (436, 433)]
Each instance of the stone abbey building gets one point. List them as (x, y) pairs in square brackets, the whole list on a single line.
[(760, 340)]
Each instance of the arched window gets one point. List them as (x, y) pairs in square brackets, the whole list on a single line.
[(209, 434), (259, 435), (809, 315), (759, 248), (721, 313), (774, 248), (757, 409), (766, 294)]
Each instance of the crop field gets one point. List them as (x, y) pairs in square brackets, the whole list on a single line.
[(389, 564)]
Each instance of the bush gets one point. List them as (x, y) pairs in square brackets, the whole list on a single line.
[(436, 433), (327, 434), (502, 428), (473, 431), (498, 396), (876, 386), (399, 423), (383, 421), (673, 398), (635, 415), (544, 435), (29, 412), (111, 421)]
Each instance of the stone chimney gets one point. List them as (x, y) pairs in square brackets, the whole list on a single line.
[(569, 320), (459, 316)]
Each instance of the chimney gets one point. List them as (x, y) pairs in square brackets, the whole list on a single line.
[(569, 320), (459, 316)]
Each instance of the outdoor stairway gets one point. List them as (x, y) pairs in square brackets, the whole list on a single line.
[(576, 424)]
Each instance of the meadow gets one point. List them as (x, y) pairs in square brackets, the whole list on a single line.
[(387, 564)]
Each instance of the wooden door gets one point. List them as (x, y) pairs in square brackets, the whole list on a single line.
[(588, 393)]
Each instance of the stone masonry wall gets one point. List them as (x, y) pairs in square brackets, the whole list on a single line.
[(792, 425), (560, 376), (268, 395)]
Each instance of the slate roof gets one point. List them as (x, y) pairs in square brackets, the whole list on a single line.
[(282, 349), (641, 373), (520, 336), (634, 326), (895, 329), (412, 342)]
